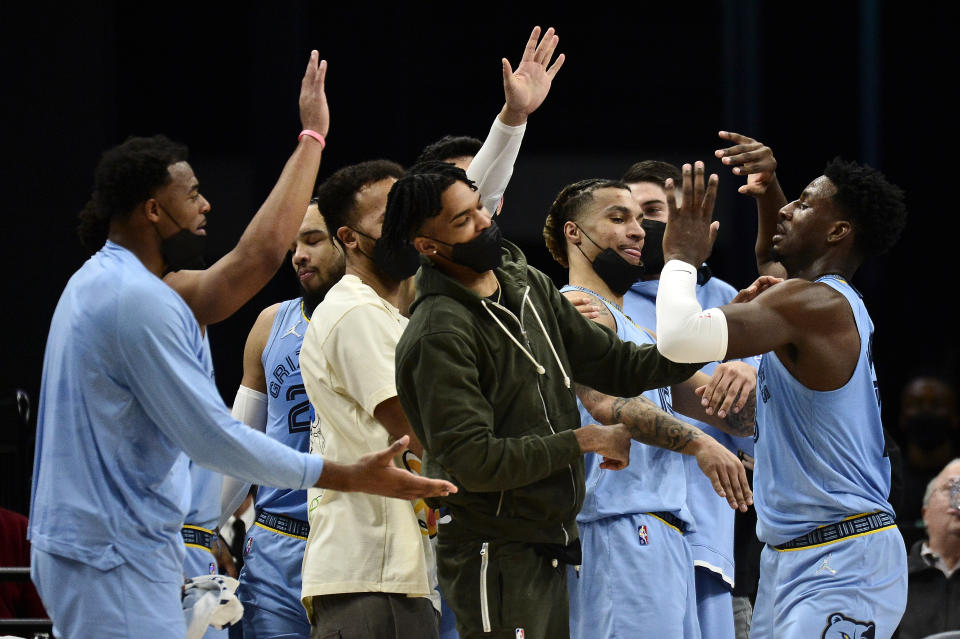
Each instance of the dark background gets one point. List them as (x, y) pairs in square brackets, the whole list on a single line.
[(865, 80)]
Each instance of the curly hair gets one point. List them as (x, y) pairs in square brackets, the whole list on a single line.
[(416, 197), (450, 147), (876, 206), (336, 196), (126, 175), (568, 207), (655, 171)]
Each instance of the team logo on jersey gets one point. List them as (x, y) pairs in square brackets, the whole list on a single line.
[(213, 568), (840, 626), (246, 549), (642, 535), (519, 633)]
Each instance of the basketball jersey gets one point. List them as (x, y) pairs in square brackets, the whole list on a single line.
[(655, 480), (820, 454), (289, 412)]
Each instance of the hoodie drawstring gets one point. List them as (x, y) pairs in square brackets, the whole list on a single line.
[(527, 302)]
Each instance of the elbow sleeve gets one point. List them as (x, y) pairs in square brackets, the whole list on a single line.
[(685, 332)]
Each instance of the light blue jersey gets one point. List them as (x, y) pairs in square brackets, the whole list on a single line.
[(271, 580), (820, 455), (655, 479), (124, 394), (289, 412), (623, 535)]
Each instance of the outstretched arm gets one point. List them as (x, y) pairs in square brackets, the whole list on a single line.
[(524, 90), (755, 160), (649, 425), (217, 292)]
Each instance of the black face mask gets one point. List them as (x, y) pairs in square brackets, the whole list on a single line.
[(480, 254), (395, 265), (616, 272), (928, 431), (183, 250), (653, 246)]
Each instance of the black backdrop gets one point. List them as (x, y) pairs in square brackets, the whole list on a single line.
[(864, 80)]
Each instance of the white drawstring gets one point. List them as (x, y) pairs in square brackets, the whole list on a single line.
[(540, 369), (527, 301)]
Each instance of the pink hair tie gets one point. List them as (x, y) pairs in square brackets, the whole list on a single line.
[(313, 134)]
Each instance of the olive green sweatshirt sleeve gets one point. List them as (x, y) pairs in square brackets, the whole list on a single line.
[(438, 386), (602, 361)]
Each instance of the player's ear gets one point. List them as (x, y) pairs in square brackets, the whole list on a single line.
[(347, 236), (840, 230), (571, 232)]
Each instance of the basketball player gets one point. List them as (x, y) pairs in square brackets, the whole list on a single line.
[(594, 229), (272, 399), (834, 560), (126, 391)]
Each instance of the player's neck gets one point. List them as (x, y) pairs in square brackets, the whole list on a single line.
[(483, 284), (827, 263)]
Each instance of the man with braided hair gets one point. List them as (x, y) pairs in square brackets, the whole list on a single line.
[(485, 373), (640, 520), (833, 556)]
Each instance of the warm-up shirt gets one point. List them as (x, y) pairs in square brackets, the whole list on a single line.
[(124, 395)]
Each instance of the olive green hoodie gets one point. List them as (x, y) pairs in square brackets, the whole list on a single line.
[(487, 388)]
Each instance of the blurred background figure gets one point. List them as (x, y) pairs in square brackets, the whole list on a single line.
[(930, 433)]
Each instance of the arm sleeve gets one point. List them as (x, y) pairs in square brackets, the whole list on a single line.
[(455, 421), (162, 367), (492, 167), (685, 332), (249, 407), (361, 349), (604, 362)]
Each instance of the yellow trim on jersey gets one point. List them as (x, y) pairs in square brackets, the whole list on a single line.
[(304, 315), (210, 532), (209, 550), (279, 532), (666, 523), (827, 543)]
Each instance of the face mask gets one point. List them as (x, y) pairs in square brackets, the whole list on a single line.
[(184, 250), (481, 254), (616, 272), (653, 246), (927, 431), (396, 265)]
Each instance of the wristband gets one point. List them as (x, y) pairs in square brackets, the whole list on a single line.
[(313, 134)]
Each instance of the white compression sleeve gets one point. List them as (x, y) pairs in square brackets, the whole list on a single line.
[(685, 332), (249, 407), (492, 167)]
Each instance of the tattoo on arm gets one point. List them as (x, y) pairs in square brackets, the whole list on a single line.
[(647, 423), (741, 424)]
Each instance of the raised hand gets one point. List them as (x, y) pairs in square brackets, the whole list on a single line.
[(314, 111), (526, 88), (750, 158), (690, 234), (759, 285)]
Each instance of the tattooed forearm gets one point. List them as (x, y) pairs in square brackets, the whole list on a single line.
[(650, 425), (741, 424), (647, 423)]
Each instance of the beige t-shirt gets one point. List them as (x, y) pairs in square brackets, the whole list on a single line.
[(357, 542)]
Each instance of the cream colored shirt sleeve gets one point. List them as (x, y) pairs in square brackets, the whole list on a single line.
[(360, 351)]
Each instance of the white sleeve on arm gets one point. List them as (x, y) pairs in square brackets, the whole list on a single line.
[(156, 342), (492, 167), (249, 407), (685, 332)]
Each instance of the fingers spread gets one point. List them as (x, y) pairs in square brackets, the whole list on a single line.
[(531, 49), (552, 71)]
